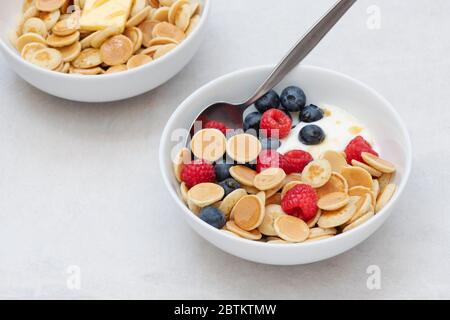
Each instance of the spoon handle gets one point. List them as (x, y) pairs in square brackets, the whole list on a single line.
[(303, 48)]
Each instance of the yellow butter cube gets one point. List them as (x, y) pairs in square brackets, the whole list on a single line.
[(101, 14)]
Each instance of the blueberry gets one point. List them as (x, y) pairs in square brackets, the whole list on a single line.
[(213, 217), (311, 113), (222, 171), (293, 99), (270, 100), (229, 185), (252, 121), (311, 135), (270, 143)]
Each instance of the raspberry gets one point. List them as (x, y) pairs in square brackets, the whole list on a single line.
[(298, 160), (271, 159), (216, 125), (276, 123), (357, 146), (300, 202), (196, 172), (292, 162)]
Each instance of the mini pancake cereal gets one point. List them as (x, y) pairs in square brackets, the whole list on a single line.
[(248, 213), (27, 38), (193, 24), (70, 53), (272, 211), (313, 222), (243, 148), (183, 156), (184, 192), (275, 199), (373, 172), (161, 14), (208, 144), (30, 49), (317, 173), (49, 18), (363, 205), (35, 25), (62, 41), (357, 177), (321, 232), (271, 192), (96, 39), (300, 189), (292, 177), (262, 197), (162, 50), (47, 58), (333, 201), (385, 179), (138, 17), (250, 235), (244, 175), (88, 58), (359, 221), (336, 159), (167, 30), (205, 194), (193, 207), (139, 5), (138, 60), (118, 68), (86, 72), (49, 5), (116, 50), (362, 191), (136, 36), (269, 179), (249, 189), (217, 204), (332, 219), (291, 229), (378, 163), (67, 25), (336, 183), (375, 188), (385, 196), (230, 201)]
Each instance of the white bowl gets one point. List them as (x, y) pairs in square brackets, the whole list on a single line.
[(322, 87), (101, 88)]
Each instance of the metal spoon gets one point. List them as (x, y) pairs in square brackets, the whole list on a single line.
[(232, 113)]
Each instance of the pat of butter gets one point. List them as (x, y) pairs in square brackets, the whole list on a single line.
[(101, 14)]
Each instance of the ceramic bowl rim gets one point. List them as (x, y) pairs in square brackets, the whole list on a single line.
[(363, 229)]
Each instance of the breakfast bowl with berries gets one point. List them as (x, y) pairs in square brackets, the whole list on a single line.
[(316, 168), (101, 50)]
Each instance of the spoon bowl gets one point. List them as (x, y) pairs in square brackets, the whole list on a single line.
[(228, 113)]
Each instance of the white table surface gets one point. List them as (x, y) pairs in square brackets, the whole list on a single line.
[(79, 185)]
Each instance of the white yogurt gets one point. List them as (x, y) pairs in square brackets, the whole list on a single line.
[(339, 126)]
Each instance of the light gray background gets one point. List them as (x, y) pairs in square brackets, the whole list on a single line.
[(79, 183)]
